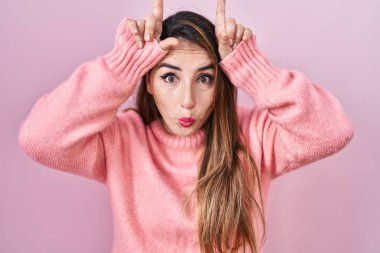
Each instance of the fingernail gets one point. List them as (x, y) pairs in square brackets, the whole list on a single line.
[(231, 42), (147, 37), (140, 44)]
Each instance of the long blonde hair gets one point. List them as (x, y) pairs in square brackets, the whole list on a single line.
[(228, 176)]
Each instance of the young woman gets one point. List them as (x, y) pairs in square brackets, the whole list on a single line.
[(189, 169)]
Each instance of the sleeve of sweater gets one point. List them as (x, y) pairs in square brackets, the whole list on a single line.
[(72, 128), (294, 122)]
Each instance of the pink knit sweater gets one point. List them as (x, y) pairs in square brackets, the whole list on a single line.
[(77, 128)]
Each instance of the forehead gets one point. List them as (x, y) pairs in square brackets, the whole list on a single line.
[(187, 55)]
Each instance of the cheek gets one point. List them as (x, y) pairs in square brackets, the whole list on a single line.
[(163, 99), (207, 98)]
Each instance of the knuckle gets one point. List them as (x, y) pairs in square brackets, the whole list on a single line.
[(130, 21), (151, 19), (150, 16), (140, 24), (149, 26), (232, 20), (139, 38), (230, 30)]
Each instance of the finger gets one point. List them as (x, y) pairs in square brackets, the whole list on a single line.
[(223, 45), (220, 14), (230, 30), (141, 28), (132, 26), (157, 30), (149, 26), (167, 43), (238, 34), (247, 33), (223, 40), (158, 9)]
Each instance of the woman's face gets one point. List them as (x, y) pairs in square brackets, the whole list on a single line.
[(182, 85)]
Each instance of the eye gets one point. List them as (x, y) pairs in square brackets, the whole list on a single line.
[(168, 77), (206, 79)]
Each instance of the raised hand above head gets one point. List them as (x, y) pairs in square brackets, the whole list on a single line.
[(151, 27), (229, 33)]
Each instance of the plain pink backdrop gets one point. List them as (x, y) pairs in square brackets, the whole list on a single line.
[(330, 206)]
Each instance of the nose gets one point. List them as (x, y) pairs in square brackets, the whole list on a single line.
[(188, 101)]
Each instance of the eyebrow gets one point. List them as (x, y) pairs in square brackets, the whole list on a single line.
[(211, 66)]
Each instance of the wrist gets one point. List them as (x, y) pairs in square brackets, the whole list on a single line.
[(246, 64)]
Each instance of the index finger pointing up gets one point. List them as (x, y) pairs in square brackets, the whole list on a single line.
[(158, 10), (220, 12)]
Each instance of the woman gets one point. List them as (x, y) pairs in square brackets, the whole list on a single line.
[(188, 170)]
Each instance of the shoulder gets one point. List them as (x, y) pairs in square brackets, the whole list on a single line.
[(131, 120), (252, 121), (245, 112)]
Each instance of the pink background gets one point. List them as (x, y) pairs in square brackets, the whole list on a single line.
[(330, 206)]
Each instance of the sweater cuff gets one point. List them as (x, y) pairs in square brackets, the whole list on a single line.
[(248, 68), (127, 60)]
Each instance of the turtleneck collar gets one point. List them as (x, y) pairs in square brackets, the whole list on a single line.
[(192, 141)]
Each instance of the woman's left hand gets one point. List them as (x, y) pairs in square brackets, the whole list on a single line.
[(228, 33)]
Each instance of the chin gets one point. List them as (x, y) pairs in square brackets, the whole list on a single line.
[(185, 133)]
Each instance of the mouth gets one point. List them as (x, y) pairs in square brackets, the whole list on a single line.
[(186, 121)]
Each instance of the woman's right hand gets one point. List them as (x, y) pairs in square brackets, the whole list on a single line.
[(151, 28)]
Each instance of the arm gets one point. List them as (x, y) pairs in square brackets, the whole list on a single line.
[(72, 128), (295, 121)]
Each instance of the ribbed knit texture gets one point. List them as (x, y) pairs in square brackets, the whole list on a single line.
[(77, 128)]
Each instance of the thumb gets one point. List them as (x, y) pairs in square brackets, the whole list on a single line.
[(224, 47), (223, 40), (168, 42)]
